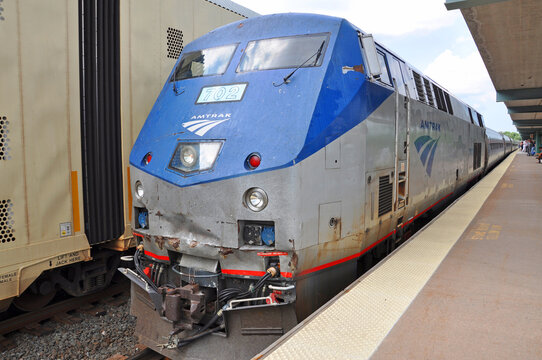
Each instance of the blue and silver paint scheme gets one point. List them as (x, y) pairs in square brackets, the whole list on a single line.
[(348, 161)]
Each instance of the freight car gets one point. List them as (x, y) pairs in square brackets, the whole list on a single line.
[(76, 85), (283, 154)]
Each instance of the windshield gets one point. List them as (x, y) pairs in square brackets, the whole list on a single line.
[(212, 61), (284, 52)]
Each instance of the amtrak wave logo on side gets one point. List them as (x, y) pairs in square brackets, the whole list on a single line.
[(426, 147), (200, 127)]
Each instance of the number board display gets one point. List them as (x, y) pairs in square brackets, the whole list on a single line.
[(221, 93)]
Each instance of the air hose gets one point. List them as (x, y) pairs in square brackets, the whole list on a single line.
[(140, 271), (236, 293)]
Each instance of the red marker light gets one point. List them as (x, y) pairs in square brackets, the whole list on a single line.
[(254, 161), (147, 158)]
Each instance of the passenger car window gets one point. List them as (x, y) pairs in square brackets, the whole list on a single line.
[(212, 61), (284, 52), (385, 77)]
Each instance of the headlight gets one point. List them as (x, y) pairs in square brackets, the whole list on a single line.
[(255, 199), (192, 157), (139, 191), (188, 156)]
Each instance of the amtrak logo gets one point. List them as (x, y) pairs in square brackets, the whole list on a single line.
[(430, 125), (426, 147), (201, 124)]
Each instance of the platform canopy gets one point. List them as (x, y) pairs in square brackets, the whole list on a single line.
[(508, 34)]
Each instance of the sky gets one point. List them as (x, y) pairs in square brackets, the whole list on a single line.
[(424, 34)]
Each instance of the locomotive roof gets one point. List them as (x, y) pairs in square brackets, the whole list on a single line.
[(285, 24), (282, 24)]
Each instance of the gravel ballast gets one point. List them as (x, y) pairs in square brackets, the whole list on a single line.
[(96, 337)]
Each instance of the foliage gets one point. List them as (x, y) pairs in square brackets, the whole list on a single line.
[(512, 135)]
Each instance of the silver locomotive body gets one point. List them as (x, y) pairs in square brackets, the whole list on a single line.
[(324, 215)]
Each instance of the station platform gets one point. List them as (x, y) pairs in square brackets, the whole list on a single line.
[(468, 285)]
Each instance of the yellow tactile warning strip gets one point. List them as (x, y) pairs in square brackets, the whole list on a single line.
[(353, 324), (485, 299)]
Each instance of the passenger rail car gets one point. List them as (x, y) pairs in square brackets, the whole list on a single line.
[(282, 153)]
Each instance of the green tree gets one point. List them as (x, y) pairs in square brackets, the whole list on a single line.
[(512, 135)]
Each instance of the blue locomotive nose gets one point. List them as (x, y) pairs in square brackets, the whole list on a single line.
[(239, 91), (233, 93)]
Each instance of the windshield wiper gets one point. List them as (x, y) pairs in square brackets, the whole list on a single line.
[(319, 52), (175, 88), (286, 79)]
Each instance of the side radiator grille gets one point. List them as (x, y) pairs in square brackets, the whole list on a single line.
[(385, 195)]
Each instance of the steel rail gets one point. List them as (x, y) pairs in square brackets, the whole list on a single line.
[(47, 312)]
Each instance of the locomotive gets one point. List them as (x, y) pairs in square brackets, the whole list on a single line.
[(284, 154)]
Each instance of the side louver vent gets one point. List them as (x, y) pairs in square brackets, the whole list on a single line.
[(477, 156), (430, 99), (6, 221), (174, 43), (449, 103), (385, 195), (419, 86), (439, 95), (4, 139)]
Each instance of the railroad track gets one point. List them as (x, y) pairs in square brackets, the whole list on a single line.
[(147, 354), (61, 312), (144, 354)]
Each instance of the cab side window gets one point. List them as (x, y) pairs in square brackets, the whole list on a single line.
[(395, 69), (385, 77)]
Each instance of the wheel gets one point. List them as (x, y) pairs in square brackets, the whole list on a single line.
[(36, 296)]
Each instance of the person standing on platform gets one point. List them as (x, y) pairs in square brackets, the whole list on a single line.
[(539, 155)]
